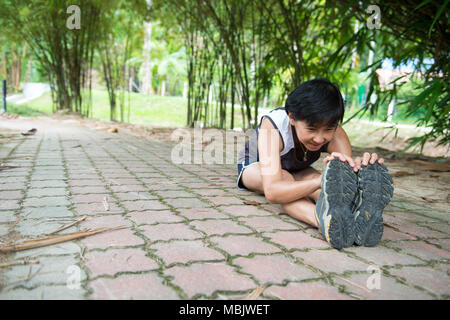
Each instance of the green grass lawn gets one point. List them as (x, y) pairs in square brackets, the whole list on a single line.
[(145, 110), (381, 116), (158, 111), (149, 110)]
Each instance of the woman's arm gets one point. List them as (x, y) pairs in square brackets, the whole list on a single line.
[(275, 188), (340, 143), (340, 147)]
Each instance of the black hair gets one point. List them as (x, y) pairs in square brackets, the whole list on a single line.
[(318, 102)]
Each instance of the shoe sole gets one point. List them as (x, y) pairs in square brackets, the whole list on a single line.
[(339, 185), (376, 188)]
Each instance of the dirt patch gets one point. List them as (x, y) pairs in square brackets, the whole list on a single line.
[(364, 134), (424, 178)]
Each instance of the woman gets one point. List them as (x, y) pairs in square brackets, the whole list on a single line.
[(276, 162)]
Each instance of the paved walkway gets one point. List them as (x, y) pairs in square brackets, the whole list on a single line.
[(188, 233)]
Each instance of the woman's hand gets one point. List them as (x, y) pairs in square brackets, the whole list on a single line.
[(343, 158), (366, 159)]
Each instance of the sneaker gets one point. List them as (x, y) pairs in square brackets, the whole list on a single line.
[(376, 190), (335, 206)]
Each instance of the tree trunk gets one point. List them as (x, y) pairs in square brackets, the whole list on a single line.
[(146, 70)]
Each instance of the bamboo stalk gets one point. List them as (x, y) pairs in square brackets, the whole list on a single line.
[(68, 225), (36, 243)]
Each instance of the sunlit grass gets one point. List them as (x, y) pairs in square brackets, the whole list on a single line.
[(141, 109), (152, 110), (164, 111)]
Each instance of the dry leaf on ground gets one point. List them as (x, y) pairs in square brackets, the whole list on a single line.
[(42, 242), (252, 203)]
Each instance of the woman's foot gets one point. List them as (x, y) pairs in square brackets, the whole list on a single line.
[(336, 204)]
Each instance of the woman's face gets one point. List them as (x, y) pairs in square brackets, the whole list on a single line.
[(313, 138)]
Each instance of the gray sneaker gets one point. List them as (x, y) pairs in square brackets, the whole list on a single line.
[(336, 204), (376, 190)]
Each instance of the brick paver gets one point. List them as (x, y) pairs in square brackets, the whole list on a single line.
[(154, 217), (113, 261), (376, 286), (434, 281), (296, 240), (184, 251), (221, 227), (146, 286), (320, 259), (314, 290), (232, 245), (274, 269), (187, 233), (214, 277)]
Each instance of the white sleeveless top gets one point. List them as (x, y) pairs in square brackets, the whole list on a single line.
[(288, 155)]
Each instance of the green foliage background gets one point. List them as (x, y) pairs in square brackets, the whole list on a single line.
[(247, 53)]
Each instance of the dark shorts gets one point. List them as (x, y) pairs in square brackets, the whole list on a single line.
[(241, 167)]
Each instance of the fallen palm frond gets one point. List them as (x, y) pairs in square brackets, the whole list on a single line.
[(401, 174), (431, 165), (255, 293), (36, 243), (389, 225), (30, 132), (3, 167), (82, 254), (68, 225), (18, 262), (105, 203), (276, 295), (29, 275), (252, 203), (354, 284)]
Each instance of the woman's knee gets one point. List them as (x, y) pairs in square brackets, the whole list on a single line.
[(251, 177)]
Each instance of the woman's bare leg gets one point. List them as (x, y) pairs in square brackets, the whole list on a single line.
[(302, 209), (306, 174)]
